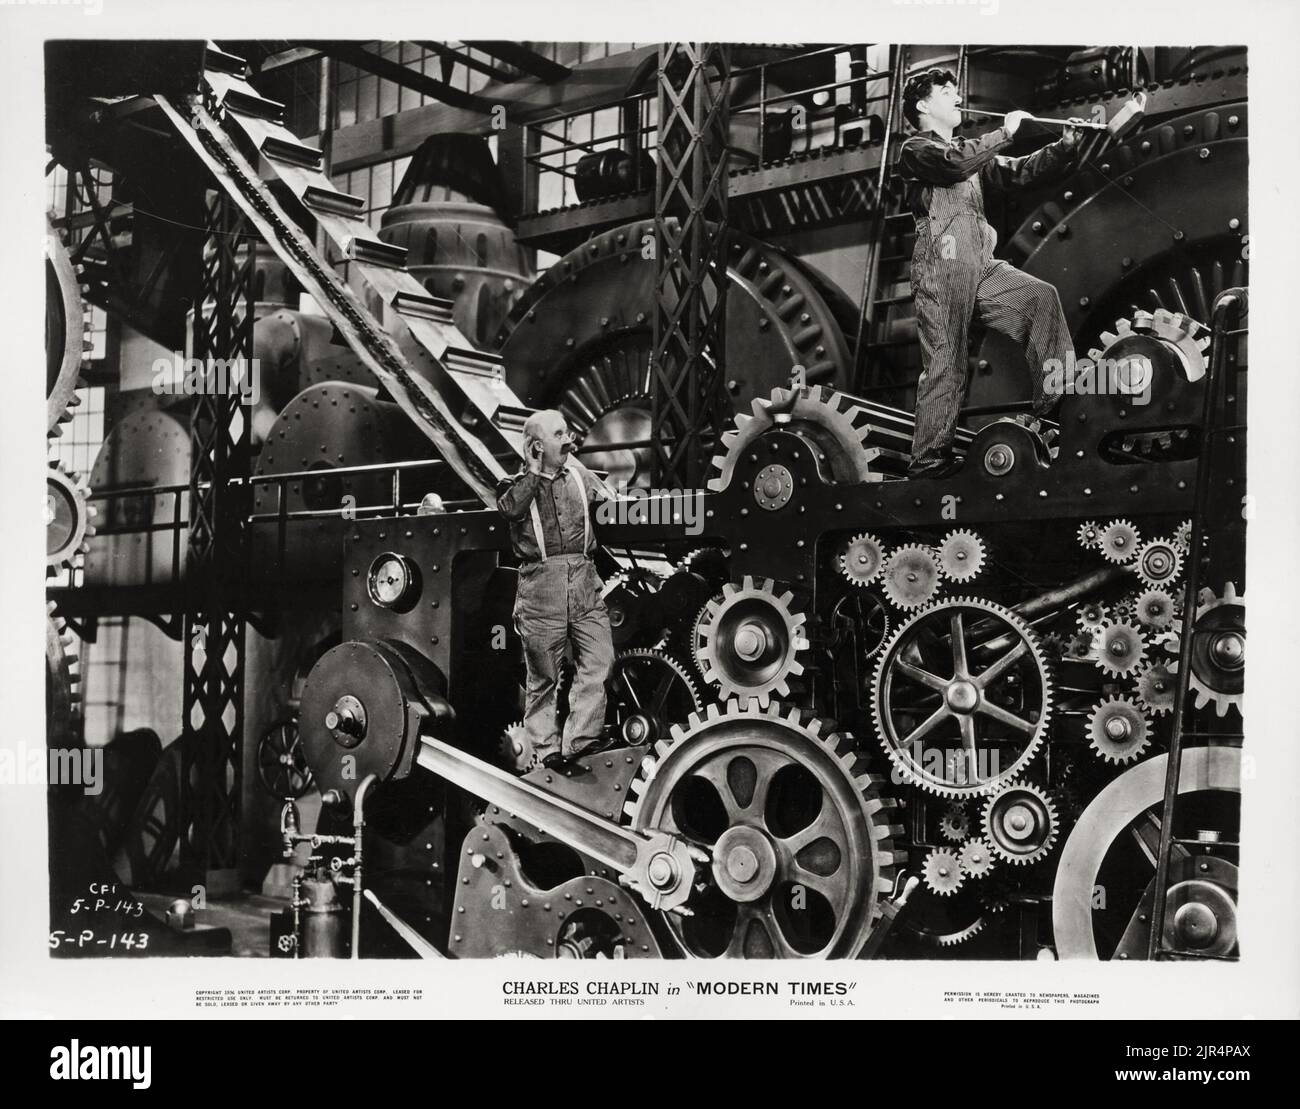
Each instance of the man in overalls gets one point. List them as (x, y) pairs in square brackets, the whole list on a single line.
[(954, 273), (558, 603)]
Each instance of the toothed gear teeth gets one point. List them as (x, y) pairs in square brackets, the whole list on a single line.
[(1118, 730), (515, 749), (1119, 541), (1218, 650), (673, 692), (62, 680), (1183, 536), (1155, 609), (750, 642), (1089, 535), (976, 858), (1020, 823), (731, 748), (1120, 648), (1159, 563), (943, 873), (961, 555), (954, 824), (68, 337), (68, 516), (1156, 688), (911, 576), (941, 765), (815, 414), (1082, 647), (1092, 616), (861, 559)]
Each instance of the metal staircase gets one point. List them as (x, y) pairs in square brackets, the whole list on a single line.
[(455, 394)]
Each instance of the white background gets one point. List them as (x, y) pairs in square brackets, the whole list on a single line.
[(1265, 983)]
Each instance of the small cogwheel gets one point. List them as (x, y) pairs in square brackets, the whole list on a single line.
[(1089, 535), (1020, 823), (1183, 536), (1082, 647), (68, 516), (1054, 646), (1155, 609), (1156, 688), (911, 576), (1119, 541), (1118, 730), (750, 642), (954, 824), (861, 559), (515, 749), (943, 872), (961, 555), (1124, 611), (1158, 563), (976, 858), (1120, 649), (1093, 616)]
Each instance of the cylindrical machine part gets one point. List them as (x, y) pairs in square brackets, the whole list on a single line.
[(323, 935), (464, 253)]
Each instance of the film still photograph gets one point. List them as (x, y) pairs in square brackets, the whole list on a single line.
[(595, 500)]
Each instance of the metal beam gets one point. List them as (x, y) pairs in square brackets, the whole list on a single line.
[(213, 696), (519, 55), (409, 78), (688, 360), (450, 52)]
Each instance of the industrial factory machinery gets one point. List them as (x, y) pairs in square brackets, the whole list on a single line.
[(996, 715)]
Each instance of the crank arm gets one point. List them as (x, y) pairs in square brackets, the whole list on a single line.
[(890, 907), (660, 867)]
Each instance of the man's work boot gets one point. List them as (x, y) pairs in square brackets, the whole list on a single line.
[(944, 466), (593, 746)]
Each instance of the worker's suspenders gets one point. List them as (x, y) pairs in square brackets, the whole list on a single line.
[(581, 490)]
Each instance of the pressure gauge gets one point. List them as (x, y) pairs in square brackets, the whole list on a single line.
[(393, 581)]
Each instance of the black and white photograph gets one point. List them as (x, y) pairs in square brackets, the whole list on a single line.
[(693, 502)]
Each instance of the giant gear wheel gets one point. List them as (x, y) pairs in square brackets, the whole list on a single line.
[(65, 342), (831, 421), (801, 842)]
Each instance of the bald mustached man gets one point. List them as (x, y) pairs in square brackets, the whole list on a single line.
[(954, 274), (558, 604)]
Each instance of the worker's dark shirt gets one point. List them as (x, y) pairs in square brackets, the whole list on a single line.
[(927, 161), (563, 516)]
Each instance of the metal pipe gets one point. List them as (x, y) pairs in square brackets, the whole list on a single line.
[(1075, 590), (1045, 603), (358, 823), (1088, 124)]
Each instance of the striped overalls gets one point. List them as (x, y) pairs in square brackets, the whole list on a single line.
[(956, 277), (558, 605)]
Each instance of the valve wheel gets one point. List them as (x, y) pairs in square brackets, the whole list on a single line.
[(282, 762)]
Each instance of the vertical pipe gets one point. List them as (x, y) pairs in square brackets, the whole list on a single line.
[(358, 881)]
